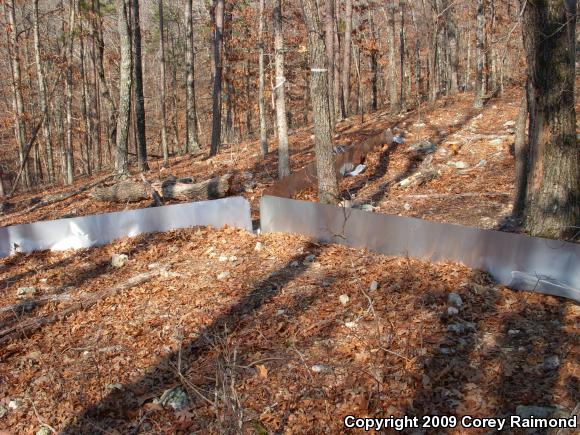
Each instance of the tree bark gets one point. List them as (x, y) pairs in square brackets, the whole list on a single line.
[(402, 55), (261, 78), (393, 88), (141, 144), (329, 29), (281, 119), (346, 59), (17, 101), (521, 154), (453, 48), (162, 87), (42, 97), (327, 179), (191, 139), (553, 192), (68, 151), (480, 55), (125, 83), (218, 18)]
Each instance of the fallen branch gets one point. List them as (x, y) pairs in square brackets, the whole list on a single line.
[(32, 325), (453, 195), (29, 304)]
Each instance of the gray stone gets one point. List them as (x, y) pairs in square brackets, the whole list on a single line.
[(309, 259), (320, 368), (460, 164), (174, 398), (374, 286), (344, 299), (119, 260), (423, 146), (452, 311), (513, 332), (3, 411), (454, 300), (44, 431), (258, 246), (25, 292), (496, 142), (407, 206), (551, 362), (525, 412), (481, 163)]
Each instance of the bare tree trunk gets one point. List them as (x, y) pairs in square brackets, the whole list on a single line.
[(17, 101), (111, 110), (337, 91), (480, 55), (261, 102), (402, 55), (327, 179), (553, 192), (141, 144), (393, 89), (85, 108), (69, 153), (521, 154), (218, 18), (125, 84), (453, 48), (329, 30), (42, 97), (162, 87), (191, 139), (281, 120), (346, 59)]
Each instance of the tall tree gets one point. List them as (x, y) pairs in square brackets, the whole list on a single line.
[(480, 55), (553, 190), (139, 97), (17, 101), (42, 96), (191, 140), (68, 150), (451, 24), (218, 27), (393, 88), (281, 119), (125, 83), (329, 29), (346, 59), (261, 78), (327, 178), (162, 87)]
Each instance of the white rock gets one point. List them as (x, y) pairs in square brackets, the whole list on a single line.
[(496, 142), (320, 368), (13, 404), (344, 299), (233, 258), (455, 300), (513, 332), (258, 246), (460, 165), (407, 206), (374, 286), (452, 311), (294, 264), (119, 260), (25, 292), (350, 325), (223, 258), (280, 312), (223, 275)]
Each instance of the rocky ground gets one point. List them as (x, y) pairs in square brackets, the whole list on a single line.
[(265, 334)]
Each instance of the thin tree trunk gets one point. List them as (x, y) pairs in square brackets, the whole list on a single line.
[(248, 100), (125, 84), (17, 101), (261, 78), (162, 88), (327, 179), (85, 108), (141, 144), (346, 59), (218, 18), (480, 56), (453, 48), (553, 193), (191, 139), (329, 30), (42, 97), (281, 120), (337, 91), (521, 154), (402, 55), (393, 88), (69, 152)]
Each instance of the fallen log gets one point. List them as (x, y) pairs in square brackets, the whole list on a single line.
[(134, 191), (32, 325)]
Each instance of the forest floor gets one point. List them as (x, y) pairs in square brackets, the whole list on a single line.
[(478, 194), (272, 333), (276, 333)]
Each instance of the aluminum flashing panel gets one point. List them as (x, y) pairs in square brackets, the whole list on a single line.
[(518, 261), (96, 230)]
